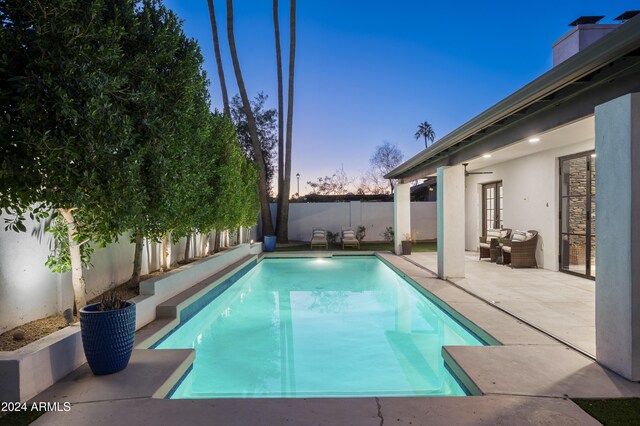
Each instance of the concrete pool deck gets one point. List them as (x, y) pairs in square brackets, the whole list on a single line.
[(561, 304), (527, 380)]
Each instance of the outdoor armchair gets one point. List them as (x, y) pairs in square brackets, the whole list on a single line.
[(348, 236), (319, 238), (520, 249)]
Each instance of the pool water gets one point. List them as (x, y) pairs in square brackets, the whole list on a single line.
[(332, 327)]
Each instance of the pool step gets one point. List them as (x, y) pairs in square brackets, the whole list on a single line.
[(168, 313)]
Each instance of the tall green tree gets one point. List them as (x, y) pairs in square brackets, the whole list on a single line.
[(267, 224), (425, 131), (64, 125)]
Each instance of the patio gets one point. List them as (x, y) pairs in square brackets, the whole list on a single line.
[(559, 304)]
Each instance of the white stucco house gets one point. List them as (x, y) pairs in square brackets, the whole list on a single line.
[(560, 156)]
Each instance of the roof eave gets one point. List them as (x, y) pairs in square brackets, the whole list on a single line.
[(615, 44)]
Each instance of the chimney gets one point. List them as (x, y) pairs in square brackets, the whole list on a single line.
[(585, 32)]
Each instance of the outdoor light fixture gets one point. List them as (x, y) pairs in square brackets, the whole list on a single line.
[(486, 156), (593, 155), (534, 140), (466, 173)]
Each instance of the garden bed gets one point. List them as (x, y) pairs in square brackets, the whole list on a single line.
[(33, 331)]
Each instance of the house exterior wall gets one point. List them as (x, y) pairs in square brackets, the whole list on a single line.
[(531, 199), (618, 235)]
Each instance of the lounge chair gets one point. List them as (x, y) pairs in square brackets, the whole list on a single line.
[(319, 238), (520, 249), (348, 236), (489, 245)]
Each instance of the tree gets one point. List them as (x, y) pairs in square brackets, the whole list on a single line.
[(216, 49), (281, 151), (168, 110), (425, 131), (64, 123), (336, 184), (267, 224), (224, 174), (385, 158), (283, 197), (265, 120)]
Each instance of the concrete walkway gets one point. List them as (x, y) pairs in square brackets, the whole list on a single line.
[(525, 380), (558, 303)]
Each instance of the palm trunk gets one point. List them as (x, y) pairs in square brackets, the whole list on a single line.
[(79, 287), (283, 219), (216, 49), (267, 224), (137, 259), (281, 151)]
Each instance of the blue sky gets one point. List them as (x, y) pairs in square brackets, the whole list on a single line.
[(371, 71)]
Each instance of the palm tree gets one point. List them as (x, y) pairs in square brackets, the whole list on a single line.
[(283, 219), (281, 152), (216, 48), (267, 224), (425, 131)]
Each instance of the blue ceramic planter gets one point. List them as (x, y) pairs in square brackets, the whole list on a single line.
[(107, 337), (270, 243)]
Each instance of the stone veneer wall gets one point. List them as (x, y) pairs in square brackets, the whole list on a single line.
[(577, 209)]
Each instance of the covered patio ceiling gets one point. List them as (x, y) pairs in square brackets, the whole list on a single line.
[(579, 131)]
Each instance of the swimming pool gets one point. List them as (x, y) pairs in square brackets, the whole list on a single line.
[(319, 327)]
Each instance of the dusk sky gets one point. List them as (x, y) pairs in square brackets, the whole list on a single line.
[(371, 71)]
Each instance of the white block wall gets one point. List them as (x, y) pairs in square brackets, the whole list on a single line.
[(375, 216), (29, 290)]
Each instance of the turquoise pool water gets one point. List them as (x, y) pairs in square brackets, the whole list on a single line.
[(334, 327)]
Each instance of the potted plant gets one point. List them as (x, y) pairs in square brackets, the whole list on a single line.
[(269, 243), (108, 331), (361, 233), (407, 243)]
